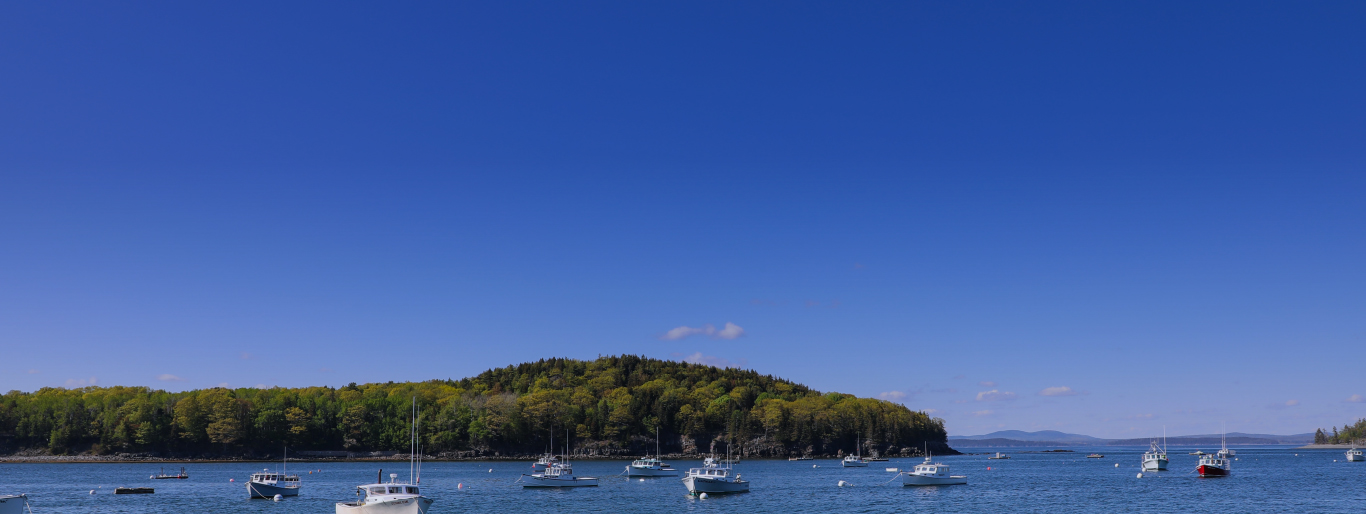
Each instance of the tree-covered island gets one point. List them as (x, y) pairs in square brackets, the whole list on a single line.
[(610, 406)]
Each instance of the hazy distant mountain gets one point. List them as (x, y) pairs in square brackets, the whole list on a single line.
[(1048, 436)]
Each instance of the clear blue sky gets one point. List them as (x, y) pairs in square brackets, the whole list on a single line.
[(1153, 209)]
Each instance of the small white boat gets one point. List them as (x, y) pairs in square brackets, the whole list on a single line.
[(267, 484), (999, 456), (13, 503), (1227, 453), (932, 473), (651, 467), (1155, 459), (544, 462), (711, 478), (1354, 455), (559, 475), (393, 497), (854, 460)]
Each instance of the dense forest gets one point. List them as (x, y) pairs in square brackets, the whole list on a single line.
[(609, 406), (1350, 434)]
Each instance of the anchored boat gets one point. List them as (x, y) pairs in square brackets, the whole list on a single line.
[(267, 484), (711, 478), (13, 503), (651, 467), (393, 497), (1155, 459), (559, 474), (855, 460), (1354, 455), (1216, 465), (163, 476), (932, 473)]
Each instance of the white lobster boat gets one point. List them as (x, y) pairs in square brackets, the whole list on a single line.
[(393, 497), (1354, 455), (931, 473), (855, 460), (711, 478), (558, 475), (13, 503), (1155, 459), (651, 467)]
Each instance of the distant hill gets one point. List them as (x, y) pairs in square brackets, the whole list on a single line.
[(1040, 436), (1050, 438)]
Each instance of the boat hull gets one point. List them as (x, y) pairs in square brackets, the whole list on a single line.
[(12, 504), (1154, 464), (418, 505), (535, 481), (919, 480), (853, 464), (256, 490), (699, 485), (1355, 458), (1211, 471), (632, 471)]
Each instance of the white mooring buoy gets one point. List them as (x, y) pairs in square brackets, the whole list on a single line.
[(1140, 475), (813, 466), (702, 496), (843, 483), (278, 497), (1116, 464), (92, 491)]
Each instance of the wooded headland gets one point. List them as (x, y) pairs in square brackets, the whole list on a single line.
[(611, 406)]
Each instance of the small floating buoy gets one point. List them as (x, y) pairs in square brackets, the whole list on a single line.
[(843, 483), (1116, 464), (232, 479), (988, 468), (92, 491), (813, 466), (490, 470), (642, 480), (278, 497), (702, 496), (460, 485), (1140, 475)]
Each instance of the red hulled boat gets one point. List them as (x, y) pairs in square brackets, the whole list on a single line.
[(1217, 465)]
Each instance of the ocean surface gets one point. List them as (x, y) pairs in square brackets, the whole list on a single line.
[(1265, 479)]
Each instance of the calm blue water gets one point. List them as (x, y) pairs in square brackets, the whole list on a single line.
[(1264, 480)]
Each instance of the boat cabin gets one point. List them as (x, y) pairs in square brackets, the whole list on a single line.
[(929, 469), (275, 479), (649, 463), (559, 470), (386, 489)]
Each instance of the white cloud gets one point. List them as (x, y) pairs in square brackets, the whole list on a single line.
[(729, 331), (167, 377), (223, 385), (1356, 398), (980, 413), (987, 383), (1057, 391), (995, 396), (711, 360), (81, 382), (892, 396)]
